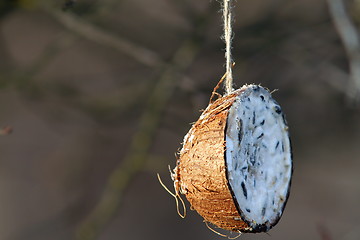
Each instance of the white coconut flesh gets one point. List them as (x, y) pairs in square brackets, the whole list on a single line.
[(258, 157)]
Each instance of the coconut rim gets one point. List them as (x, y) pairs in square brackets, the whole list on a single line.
[(258, 227)]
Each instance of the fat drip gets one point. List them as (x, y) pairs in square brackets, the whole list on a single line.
[(258, 157)]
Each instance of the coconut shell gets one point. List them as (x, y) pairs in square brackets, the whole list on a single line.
[(202, 176)]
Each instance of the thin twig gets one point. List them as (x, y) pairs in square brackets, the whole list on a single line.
[(350, 39), (139, 53)]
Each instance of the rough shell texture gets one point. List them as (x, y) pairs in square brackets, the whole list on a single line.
[(202, 176)]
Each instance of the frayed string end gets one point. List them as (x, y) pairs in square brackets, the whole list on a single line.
[(177, 197)]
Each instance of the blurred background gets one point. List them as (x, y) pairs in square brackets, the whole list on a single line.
[(100, 94)]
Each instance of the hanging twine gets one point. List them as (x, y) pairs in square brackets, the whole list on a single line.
[(227, 38)]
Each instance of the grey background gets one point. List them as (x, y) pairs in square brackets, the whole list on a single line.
[(75, 99)]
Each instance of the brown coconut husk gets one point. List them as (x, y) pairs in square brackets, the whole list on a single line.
[(202, 176)]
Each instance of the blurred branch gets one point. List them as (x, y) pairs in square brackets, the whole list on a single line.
[(6, 60), (350, 39), (325, 71), (186, 9), (140, 144), (51, 51), (139, 53), (112, 107), (25, 80)]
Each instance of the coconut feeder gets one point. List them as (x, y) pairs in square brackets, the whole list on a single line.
[(235, 164)]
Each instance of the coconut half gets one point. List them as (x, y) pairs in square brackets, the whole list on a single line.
[(235, 165)]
